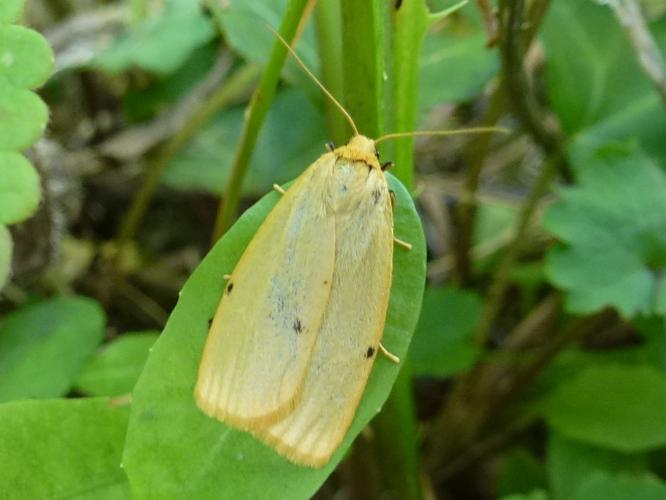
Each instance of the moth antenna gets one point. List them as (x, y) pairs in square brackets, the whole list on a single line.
[(314, 79), (473, 130)]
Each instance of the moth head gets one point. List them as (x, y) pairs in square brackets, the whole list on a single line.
[(362, 148)]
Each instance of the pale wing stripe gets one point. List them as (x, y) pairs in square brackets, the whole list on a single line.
[(265, 327)]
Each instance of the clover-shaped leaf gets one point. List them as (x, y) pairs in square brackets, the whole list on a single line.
[(19, 188), (23, 115), (26, 59), (613, 225)]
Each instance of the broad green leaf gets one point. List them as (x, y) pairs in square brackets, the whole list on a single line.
[(117, 366), (602, 486), (162, 42), (44, 345), (570, 464), (614, 226), (520, 473), (174, 451), (62, 448), (23, 115), (6, 246), (19, 188), (601, 93), (11, 10), (443, 342), (290, 140), (618, 407), (26, 59)]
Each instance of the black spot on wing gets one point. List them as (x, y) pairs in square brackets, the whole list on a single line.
[(376, 195), (370, 352), (210, 322), (230, 287), (298, 326)]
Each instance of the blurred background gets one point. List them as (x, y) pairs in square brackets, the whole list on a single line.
[(538, 366)]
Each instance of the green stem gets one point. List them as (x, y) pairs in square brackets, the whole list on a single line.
[(256, 113), (236, 85), (327, 23), (501, 277), (363, 35)]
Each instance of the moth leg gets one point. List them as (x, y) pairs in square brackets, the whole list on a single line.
[(279, 189), (388, 354), (403, 244), (392, 198), (387, 166)]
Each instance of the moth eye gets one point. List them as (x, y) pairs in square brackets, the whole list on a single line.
[(330, 146)]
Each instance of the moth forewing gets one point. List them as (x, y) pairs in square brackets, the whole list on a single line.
[(268, 319), (353, 323)]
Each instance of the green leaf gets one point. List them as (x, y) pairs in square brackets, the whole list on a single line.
[(520, 473), (443, 342), (6, 246), (286, 146), (618, 407), (117, 366), (162, 42), (62, 448), (44, 345), (174, 451), (455, 64), (11, 10), (601, 94), (26, 59), (23, 115), (602, 486), (614, 225), (534, 495), (19, 188), (570, 463)]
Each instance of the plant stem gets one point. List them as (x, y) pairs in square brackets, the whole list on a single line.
[(502, 274), (255, 115), (327, 23), (363, 36), (234, 86)]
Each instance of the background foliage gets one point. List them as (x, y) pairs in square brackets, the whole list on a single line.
[(538, 364)]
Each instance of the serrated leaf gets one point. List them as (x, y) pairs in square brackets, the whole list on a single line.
[(443, 342), (618, 407), (26, 59), (6, 246), (117, 366), (220, 462), (162, 42), (19, 188), (11, 10), (44, 345), (62, 448), (23, 115), (570, 463), (290, 137), (614, 225), (602, 486), (602, 94)]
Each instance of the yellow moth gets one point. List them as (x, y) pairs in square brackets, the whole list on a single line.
[(299, 325)]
